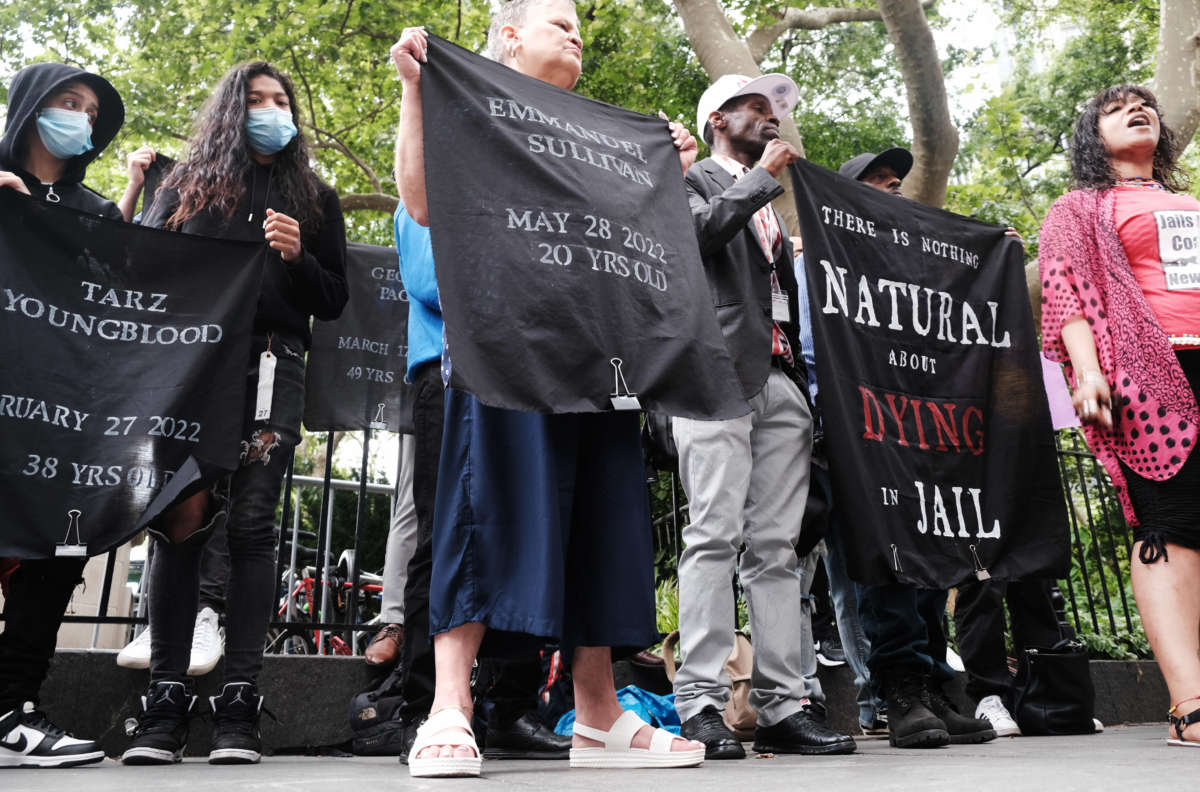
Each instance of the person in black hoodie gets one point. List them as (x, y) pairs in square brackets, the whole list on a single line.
[(59, 120), (246, 177)]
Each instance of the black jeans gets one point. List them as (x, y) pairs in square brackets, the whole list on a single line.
[(214, 570), (904, 627), (979, 624), (38, 594), (251, 532), (416, 655)]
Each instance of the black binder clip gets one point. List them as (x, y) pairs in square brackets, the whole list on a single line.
[(378, 422), (626, 400), (66, 548)]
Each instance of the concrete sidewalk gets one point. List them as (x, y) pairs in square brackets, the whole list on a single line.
[(1122, 758)]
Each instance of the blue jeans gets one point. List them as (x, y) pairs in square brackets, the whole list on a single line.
[(904, 627), (844, 593)]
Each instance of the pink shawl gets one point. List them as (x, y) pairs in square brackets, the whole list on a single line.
[(1085, 272)]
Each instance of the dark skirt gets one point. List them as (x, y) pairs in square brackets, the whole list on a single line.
[(542, 530), (1169, 511)]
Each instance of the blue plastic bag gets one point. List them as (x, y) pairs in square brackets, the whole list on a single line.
[(654, 709)]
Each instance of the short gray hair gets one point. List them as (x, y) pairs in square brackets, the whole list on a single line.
[(511, 12)]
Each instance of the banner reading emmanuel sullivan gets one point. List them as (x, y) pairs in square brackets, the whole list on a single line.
[(355, 374), (567, 264), (122, 370), (936, 424)]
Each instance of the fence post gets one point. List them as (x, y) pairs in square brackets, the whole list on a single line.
[(352, 600)]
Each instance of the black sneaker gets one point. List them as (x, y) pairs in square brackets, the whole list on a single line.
[(29, 739), (963, 730), (236, 739), (160, 734), (911, 722)]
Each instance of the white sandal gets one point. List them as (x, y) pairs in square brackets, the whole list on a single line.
[(618, 750), (438, 729)]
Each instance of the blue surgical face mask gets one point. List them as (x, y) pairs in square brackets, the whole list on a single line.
[(65, 133), (270, 129)]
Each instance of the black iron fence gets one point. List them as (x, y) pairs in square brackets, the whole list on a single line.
[(329, 603)]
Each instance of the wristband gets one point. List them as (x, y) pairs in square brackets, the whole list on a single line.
[(1092, 377)]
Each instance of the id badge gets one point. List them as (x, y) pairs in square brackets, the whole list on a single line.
[(779, 307), (266, 386)]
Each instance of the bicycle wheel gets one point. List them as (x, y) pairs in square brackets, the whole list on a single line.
[(290, 641)]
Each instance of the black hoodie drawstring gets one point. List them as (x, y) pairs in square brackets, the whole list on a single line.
[(254, 191)]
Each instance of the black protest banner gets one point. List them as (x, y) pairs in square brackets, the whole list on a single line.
[(936, 423), (355, 375), (567, 265), (122, 370)]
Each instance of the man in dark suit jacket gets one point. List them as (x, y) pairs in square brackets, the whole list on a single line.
[(747, 478)]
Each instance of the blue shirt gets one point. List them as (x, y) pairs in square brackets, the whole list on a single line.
[(804, 327), (420, 281)]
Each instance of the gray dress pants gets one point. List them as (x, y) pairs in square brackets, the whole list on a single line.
[(747, 483), (402, 538)]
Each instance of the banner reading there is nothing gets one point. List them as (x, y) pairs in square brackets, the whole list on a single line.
[(936, 422)]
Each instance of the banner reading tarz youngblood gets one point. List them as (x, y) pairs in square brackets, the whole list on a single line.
[(567, 263), (355, 374), (122, 368), (937, 429)]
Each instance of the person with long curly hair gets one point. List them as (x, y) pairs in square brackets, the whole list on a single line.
[(246, 177), (1119, 259)]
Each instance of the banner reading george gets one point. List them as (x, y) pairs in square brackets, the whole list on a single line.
[(936, 424), (355, 375), (122, 370), (567, 263)]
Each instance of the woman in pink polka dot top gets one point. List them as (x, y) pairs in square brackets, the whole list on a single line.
[(1119, 259)]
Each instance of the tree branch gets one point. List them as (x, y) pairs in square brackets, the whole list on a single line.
[(312, 109), (371, 202), (760, 41), (336, 144), (935, 139)]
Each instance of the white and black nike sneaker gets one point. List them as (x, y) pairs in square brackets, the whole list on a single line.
[(29, 739), (160, 734), (236, 738)]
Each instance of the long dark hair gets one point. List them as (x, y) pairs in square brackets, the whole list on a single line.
[(1090, 168), (219, 155)]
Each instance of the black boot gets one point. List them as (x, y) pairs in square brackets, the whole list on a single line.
[(911, 722), (236, 739), (160, 734), (963, 730)]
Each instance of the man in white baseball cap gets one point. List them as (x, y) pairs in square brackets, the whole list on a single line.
[(747, 479), (779, 90)]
